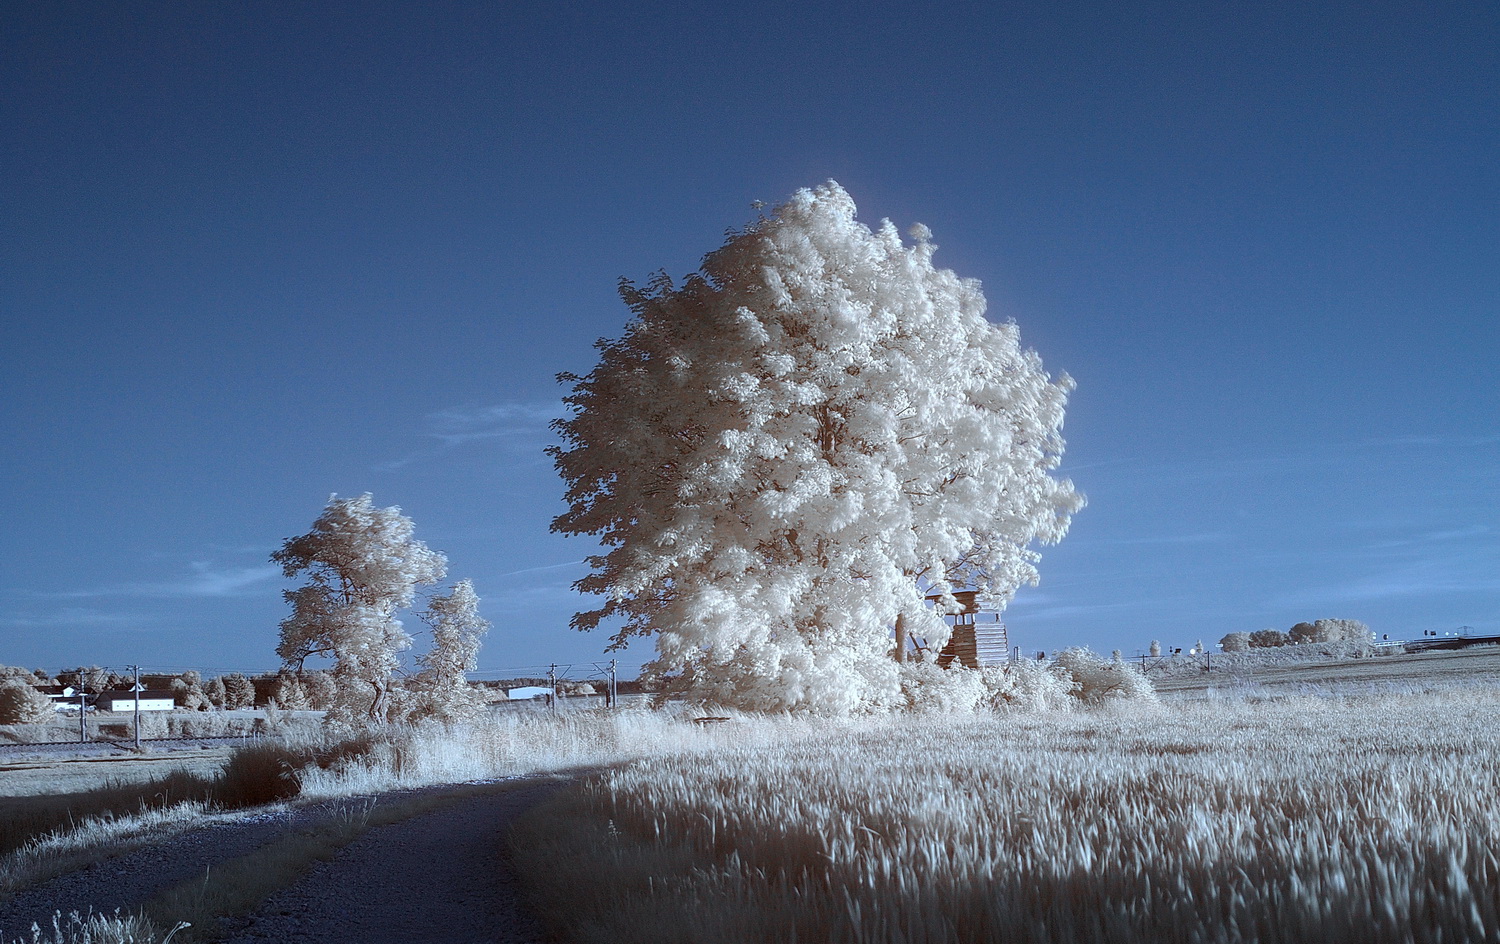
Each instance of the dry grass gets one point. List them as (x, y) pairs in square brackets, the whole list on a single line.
[(1362, 819), (98, 929), (64, 850), (518, 744), (27, 818)]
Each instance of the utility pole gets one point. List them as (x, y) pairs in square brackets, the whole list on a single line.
[(83, 723), (614, 689), (137, 670), (552, 681)]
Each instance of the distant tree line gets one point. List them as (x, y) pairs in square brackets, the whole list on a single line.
[(1319, 631), (22, 700)]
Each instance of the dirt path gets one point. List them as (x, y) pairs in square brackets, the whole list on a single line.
[(441, 876), (437, 876)]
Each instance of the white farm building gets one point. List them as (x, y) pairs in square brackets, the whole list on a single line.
[(125, 701)]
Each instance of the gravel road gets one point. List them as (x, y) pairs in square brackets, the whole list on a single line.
[(439, 876)]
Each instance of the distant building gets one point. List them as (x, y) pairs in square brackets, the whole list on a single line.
[(65, 698), (529, 691), (125, 701)]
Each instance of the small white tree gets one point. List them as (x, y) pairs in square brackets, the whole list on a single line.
[(187, 691), (441, 690), (784, 454), (1353, 631), (363, 566), (288, 693), (239, 692)]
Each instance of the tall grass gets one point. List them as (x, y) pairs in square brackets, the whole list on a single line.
[(98, 929), (1359, 819), (522, 743)]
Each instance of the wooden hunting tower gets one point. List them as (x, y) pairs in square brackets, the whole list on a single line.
[(979, 636)]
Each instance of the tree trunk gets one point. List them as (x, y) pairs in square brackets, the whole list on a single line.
[(377, 707), (900, 637)]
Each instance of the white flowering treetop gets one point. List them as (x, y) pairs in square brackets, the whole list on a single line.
[(784, 454), (362, 566)]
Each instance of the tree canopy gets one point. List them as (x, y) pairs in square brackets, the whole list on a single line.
[(785, 453), (362, 566)]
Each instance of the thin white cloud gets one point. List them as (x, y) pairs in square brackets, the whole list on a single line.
[(537, 570), (210, 581), (1432, 537), (1418, 580), (522, 423), (203, 580), (1023, 613), (1210, 537), (498, 421), (74, 616)]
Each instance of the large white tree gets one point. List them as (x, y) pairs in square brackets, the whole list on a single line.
[(362, 566), (783, 454)]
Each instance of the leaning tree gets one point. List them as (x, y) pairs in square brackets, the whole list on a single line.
[(786, 453), (362, 567)]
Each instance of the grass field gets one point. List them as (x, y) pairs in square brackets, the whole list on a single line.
[(1361, 818), (1403, 671), (1333, 801)]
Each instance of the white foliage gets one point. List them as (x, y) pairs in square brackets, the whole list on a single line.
[(925, 687), (1025, 686), (289, 692), (1331, 630), (1235, 642), (784, 451), (21, 703), (441, 690), (362, 566), (1035, 686), (1097, 680)]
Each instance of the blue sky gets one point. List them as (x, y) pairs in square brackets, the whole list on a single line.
[(253, 254)]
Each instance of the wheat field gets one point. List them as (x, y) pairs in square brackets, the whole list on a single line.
[(1358, 819)]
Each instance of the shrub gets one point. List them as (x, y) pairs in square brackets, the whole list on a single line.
[(269, 771), (20, 703), (926, 687), (1267, 639), (1303, 633), (1030, 686), (187, 692), (1235, 642), (1343, 630), (1097, 680)]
